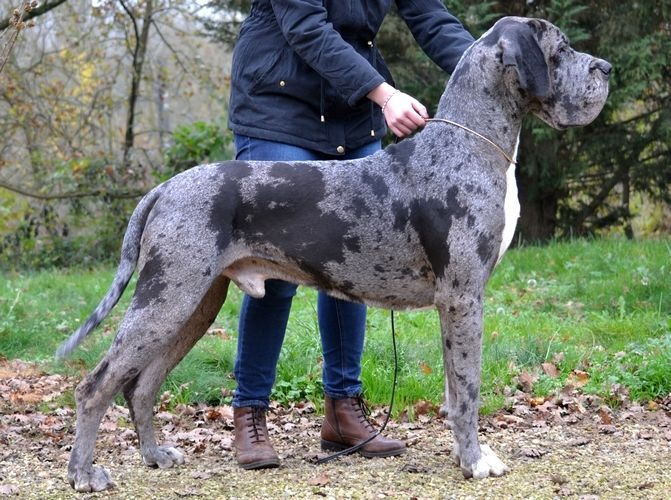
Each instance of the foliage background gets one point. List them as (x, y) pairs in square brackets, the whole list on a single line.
[(100, 101)]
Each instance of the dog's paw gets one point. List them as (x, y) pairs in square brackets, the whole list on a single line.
[(163, 457), (487, 465), (95, 479)]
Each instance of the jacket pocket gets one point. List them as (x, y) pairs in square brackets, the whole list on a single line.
[(250, 66), (267, 66), (286, 74)]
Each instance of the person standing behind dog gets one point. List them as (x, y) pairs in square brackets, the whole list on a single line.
[(308, 83)]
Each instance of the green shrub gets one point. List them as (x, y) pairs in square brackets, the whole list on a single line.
[(197, 143)]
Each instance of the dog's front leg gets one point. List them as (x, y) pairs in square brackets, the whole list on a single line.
[(461, 325), (447, 408)]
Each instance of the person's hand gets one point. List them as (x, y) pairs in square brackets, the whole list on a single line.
[(404, 114)]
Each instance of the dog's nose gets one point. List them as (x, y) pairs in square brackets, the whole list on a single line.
[(604, 66)]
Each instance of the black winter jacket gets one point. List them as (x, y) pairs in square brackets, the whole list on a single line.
[(302, 68)]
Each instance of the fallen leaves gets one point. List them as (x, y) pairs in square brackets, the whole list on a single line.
[(526, 381), (415, 468), (570, 404), (581, 441), (319, 480), (10, 369), (605, 415), (540, 430), (222, 333), (578, 378), (646, 434), (550, 369), (8, 490), (532, 452), (425, 368), (23, 384)]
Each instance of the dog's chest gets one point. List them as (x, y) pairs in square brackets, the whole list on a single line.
[(511, 207)]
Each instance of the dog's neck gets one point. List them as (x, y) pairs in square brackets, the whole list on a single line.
[(498, 114)]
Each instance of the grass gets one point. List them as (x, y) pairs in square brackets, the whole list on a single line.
[(599, 307)]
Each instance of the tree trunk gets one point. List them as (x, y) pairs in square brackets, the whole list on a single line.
[(538, 217), (539, 189), (626, 193), (163, 117), (139, 52)]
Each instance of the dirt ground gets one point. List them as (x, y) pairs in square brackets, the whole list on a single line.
[(566, 447)]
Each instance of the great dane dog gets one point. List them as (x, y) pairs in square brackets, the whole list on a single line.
[(419, 224)]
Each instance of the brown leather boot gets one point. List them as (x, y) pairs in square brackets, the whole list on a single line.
[(252, 445), (346, 424)]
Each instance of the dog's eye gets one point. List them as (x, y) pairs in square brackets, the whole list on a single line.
[(563, 49), (560, 54), (563, 46)]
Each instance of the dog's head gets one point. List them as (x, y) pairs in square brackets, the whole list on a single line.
[(564, 87)]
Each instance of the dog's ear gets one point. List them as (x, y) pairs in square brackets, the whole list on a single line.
[(521, 50)]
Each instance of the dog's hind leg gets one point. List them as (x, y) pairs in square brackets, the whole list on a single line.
[(151, 328), (93, 396), (141, 392)]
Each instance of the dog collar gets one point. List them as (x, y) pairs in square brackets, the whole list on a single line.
[(501, 150)]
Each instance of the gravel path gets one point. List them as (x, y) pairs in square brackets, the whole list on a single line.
[(558, 454)]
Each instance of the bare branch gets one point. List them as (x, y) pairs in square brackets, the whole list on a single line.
[(73, 195), (178, 59), (37, 11), (598, 199)]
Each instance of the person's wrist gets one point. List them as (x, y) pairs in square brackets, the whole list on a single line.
[(381, 93), (389, 97)]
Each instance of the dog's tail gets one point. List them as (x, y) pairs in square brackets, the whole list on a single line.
[(130, 251)]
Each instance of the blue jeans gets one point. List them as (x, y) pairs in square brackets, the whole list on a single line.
[(263, 321)]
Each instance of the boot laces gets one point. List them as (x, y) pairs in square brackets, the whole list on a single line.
[(364, 412), (257, 427)]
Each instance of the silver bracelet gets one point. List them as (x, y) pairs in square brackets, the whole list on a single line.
[(396, 91)]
